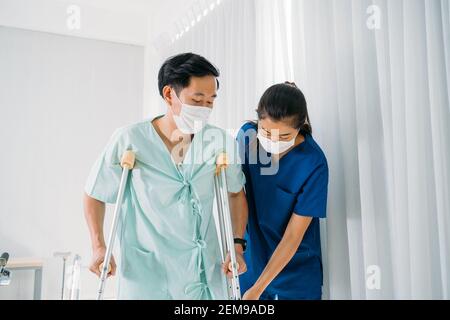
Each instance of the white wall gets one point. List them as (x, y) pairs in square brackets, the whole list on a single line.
[(60, 99), (163, 20), (59, 16)]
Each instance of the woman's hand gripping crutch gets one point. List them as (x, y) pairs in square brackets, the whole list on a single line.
[(225, 227), (127, 164)]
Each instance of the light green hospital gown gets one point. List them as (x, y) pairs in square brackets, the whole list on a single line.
[(169, 247)]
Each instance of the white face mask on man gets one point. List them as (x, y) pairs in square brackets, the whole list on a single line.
[(275, 147), (192, 119)]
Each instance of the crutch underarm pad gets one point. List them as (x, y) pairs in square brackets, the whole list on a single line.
[(221, 162), (128, 160)]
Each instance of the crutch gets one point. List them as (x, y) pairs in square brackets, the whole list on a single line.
[(127, 163), (225, 226)]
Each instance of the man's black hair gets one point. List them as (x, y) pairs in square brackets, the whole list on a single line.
[(178, 70)]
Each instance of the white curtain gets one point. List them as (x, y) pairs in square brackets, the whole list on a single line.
[(376, 76)]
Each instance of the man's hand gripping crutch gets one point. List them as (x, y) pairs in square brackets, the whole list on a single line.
[(225, 228), (127, 164)]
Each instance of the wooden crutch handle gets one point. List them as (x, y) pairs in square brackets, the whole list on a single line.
[(221, 162), (128, 160)]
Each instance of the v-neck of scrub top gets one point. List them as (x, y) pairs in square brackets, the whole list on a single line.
[(285, 161), (178, 166)]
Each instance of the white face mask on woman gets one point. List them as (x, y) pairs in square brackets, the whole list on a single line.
[(192, 119), (276, 147)]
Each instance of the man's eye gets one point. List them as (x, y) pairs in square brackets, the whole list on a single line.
[(195, 101)]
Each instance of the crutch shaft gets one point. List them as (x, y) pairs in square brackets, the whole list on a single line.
[(112, 234), (229, 236), (127, 163), (225, 226), (223, 237)]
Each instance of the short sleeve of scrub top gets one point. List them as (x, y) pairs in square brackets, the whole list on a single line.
[(311, 201)]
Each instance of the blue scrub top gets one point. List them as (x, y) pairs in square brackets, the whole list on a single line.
[(299, 186)]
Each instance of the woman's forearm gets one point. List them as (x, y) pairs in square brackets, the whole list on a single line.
[(280, 258), (284, 252)]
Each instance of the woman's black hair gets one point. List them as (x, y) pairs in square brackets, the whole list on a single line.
[(178, 70), (286, 102)]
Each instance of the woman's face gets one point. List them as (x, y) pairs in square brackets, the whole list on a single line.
[(277, 130)]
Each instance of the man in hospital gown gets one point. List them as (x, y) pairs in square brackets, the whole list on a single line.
[(169, 247)]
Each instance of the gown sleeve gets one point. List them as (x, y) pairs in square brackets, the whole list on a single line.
[(235, 176), (104, 178)]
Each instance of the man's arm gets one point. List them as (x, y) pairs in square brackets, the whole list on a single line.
[(239, 213), (239, 217), (94, 212)]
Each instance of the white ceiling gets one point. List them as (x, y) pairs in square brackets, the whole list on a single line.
[(142, 7), (124, 21), (162, 13)]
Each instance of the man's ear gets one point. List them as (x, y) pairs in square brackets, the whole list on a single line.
[(167, 95)]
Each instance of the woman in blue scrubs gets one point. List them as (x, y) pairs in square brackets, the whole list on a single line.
[(286, 189)]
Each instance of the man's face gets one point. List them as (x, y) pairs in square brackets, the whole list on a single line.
[(201, 92)]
